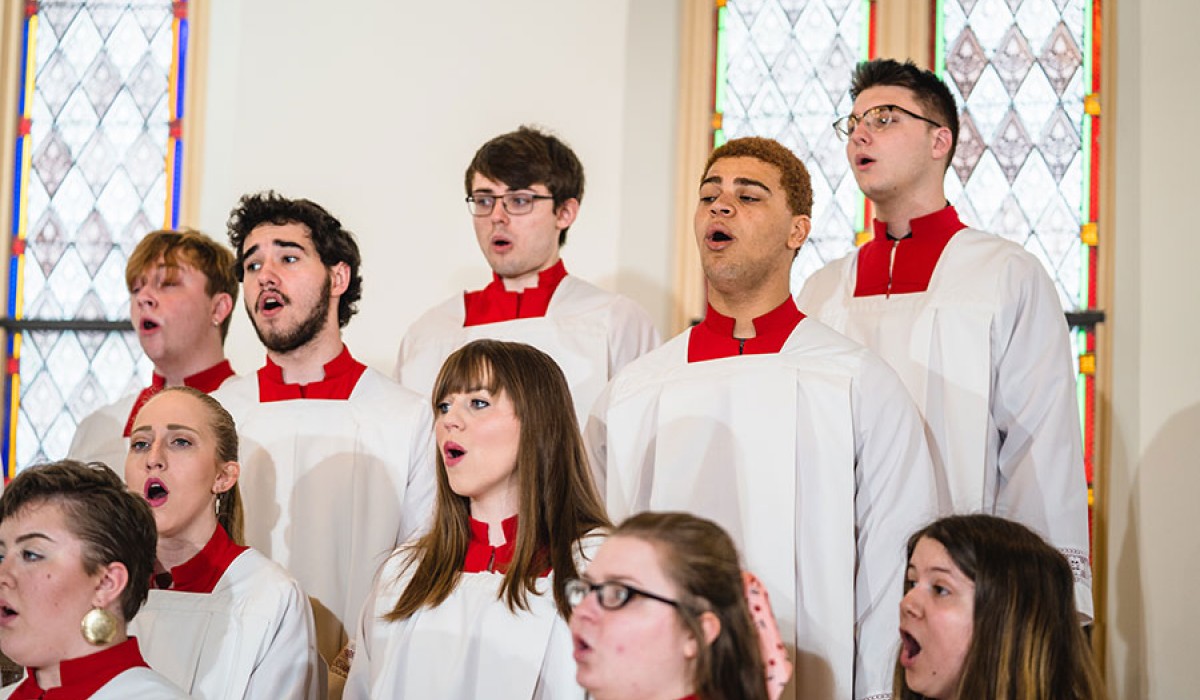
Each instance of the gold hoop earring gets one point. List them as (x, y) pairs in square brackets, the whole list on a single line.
[(99, 627)]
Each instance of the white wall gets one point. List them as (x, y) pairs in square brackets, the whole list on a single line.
[(374, 109), (1154, 539)]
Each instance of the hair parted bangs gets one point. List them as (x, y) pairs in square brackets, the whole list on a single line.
[(558, 500)]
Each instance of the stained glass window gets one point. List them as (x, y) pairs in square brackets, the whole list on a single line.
[(98, 155), (1027, 166), (783, 71)]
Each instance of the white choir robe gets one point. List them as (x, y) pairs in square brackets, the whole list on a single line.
[(100, 436), (251, 638), (589, 332), (330, 487), (140, 682), (815, 462), (985, 354), (471, 646)]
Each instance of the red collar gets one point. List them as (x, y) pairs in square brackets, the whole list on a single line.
[(908, 268), (482, 556), (341, 376), (494, 303), (208, 381), (82, 677), (201, 573), (713, 338)]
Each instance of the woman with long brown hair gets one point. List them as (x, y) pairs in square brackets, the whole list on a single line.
[(477, 607), (989, 614)]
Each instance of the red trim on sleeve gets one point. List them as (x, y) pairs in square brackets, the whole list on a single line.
[(82, 677), (909, 268), (494, 303), (713, 338), (201, 573), (341, 376), (208, 381)]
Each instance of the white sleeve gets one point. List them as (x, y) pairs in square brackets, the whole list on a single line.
[(422, 482), (631, 335), (595, 441), (1035, 408), (896, 495), (288, 667)]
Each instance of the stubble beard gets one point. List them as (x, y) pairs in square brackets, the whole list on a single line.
[(283, 342)]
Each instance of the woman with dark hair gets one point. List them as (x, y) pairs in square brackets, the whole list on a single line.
[(669, 619), (222, 620), (477, 607), (76, 552), (989, 614)]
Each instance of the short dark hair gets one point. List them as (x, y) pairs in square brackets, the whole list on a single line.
[(187, 247), (333, 243), (114, 524), (792, 173), (526, 157), (930, 92)]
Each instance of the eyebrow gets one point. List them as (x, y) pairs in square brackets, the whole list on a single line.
[(716, 180), (33, 536), (170, 426), (274, 242)]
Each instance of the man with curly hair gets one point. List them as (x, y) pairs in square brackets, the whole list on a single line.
[(801, 443), (337, 459), (523, 192)]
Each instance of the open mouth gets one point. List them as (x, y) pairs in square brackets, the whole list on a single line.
[(453, 453), (909, 648), (581, 647), (863, 161), (720, 237), (501, 243), (271, 301), (155, 492), (148, 325), (6, 613)]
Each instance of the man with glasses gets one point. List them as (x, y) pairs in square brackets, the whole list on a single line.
[(803, 445), (970, 321), (523, 193)]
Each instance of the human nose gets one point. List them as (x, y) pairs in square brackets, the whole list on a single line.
[(588, 608), (451, 417), (499, 211), (145, 297), (721, 205), (156, 457), (909, 604)]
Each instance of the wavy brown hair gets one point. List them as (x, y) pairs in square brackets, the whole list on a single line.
[(701, 560), (558, 502), (1027, 643)]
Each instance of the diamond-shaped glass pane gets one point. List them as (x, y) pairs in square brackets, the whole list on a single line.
[(1015, 69), (787, 77)]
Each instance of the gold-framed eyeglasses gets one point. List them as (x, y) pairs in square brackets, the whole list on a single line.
[(515, 203), (610, 594), (876, 120)]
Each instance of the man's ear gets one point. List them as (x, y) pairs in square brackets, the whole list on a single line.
[(801, 226), (222, 306), (339, 279), (942, 141), (565, 215)]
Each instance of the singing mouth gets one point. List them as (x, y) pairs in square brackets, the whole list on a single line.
[(155, 492), (453, 453)]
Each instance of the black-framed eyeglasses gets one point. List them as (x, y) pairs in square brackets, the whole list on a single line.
[(876, 119), (515, 203), (610, 594)]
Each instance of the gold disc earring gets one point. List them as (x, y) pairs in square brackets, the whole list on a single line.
[(99, 627)]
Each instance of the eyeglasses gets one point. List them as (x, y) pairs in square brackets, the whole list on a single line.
[(876, 118), (515, 203), (610, 594)]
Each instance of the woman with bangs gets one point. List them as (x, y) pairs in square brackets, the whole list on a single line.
[(477, 607)]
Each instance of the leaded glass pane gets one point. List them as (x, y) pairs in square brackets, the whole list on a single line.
[(787, 73), (1017, 72)]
